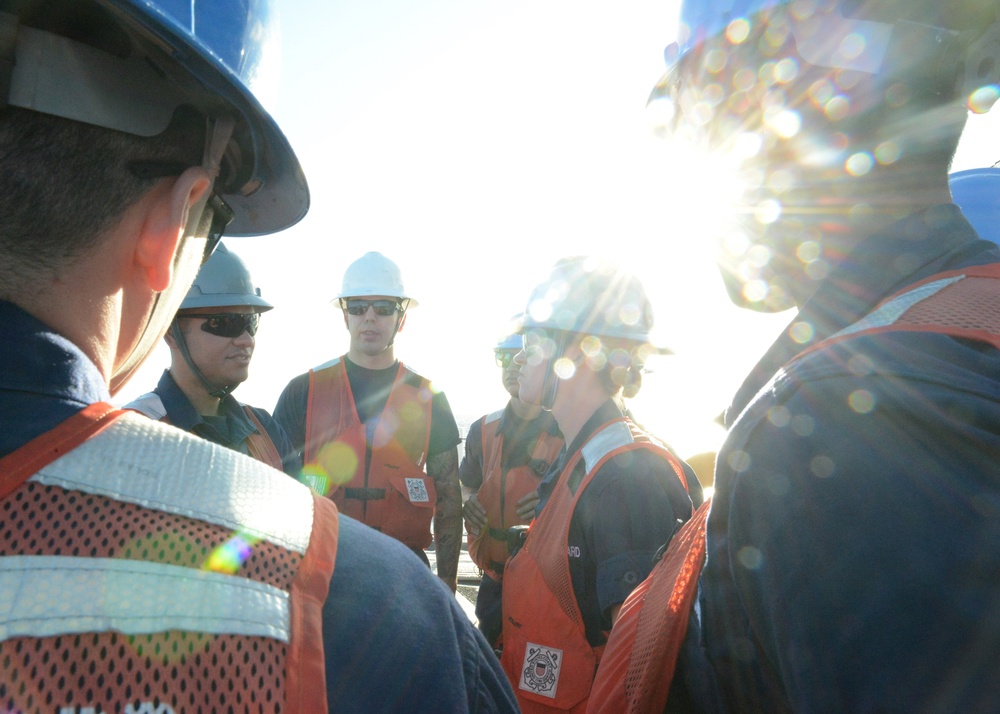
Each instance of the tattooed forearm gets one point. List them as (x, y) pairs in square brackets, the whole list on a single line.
[(443, 468)]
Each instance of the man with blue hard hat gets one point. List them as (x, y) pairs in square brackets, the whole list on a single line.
[(143, 568), (506, 454), (211, 343), (854, 523)]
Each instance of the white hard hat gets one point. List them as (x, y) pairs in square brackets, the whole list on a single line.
[(374, 274)]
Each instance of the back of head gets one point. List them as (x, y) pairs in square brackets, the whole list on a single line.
[(224, 281), (837, 117), (105, 98)]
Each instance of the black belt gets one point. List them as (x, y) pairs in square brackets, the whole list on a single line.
[(365, 494)]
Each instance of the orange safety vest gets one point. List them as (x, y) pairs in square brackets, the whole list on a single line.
[(153, 571), (641, 654), (500, 492), (546, 654), (259, 444), (378, 480)]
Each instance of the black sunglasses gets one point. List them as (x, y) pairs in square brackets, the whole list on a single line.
[(383, 308), (505, 357), (229, 324), (222, 214)]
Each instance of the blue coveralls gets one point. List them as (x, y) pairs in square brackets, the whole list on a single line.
[(853, 556), (395, 638)]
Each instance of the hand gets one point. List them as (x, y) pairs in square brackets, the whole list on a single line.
[(475, 515), (526, 506)]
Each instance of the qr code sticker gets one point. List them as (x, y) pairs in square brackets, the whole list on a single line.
[(417, 490)]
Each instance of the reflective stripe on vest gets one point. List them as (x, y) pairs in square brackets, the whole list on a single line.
[(642, 651), (378, 479), (546, 654), (153, 570), (500, 492), (258, 443)]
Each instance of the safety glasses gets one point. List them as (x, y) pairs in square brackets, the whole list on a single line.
[(382, 308), (504, 357), (229, 324)]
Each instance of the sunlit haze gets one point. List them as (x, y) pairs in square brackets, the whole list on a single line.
[(475, 143)]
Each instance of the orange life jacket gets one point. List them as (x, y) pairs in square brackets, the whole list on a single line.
[(151, 570), (378, 479), (259, 444), (500, 492), (642, 651), (546, 654)]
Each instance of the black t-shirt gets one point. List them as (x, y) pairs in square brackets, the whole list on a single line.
[(371, 389), (519, 439)]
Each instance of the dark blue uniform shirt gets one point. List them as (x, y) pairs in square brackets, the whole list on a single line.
[(394, 636), (628, 510), (230, 428), (854, 539)]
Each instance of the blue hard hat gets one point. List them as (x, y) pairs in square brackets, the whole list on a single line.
[(977, 193), (878, 37), (128, 64), (512, 340)]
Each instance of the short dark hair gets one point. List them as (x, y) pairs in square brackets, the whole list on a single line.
[(65, 184)]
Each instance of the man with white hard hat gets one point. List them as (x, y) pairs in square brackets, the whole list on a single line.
[(374, 435)]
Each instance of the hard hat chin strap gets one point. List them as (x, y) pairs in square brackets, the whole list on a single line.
[(550, 385), (178, 337)]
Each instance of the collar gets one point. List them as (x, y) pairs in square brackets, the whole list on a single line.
[(184, 416), (607, 412), (509, 422), (44, 378), (937, 239)]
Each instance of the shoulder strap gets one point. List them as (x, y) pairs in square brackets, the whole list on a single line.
[(17, 467), (642, 650), (148, 404), (960, 303), (259, 444)]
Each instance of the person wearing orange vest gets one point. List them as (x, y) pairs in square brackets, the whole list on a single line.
[(506, 454), (855, 508), (613, 496), (211, 341), (142, 568), (376, 437)]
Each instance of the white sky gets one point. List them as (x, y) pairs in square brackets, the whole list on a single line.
[(475, 143)]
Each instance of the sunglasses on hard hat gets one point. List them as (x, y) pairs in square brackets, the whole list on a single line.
[(221, 214), (504, 357), (383, 308), (229, 324)]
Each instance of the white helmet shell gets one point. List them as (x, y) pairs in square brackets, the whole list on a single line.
[(374, 274)]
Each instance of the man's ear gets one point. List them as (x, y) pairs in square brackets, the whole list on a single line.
[(166, 218)]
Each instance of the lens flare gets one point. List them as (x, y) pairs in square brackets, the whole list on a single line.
[(564, 368), (230, 556), (983, 99)]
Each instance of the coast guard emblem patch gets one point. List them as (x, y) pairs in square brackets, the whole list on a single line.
[(541, 670), (416, 489)]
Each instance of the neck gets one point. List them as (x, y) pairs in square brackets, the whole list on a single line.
[(382, 360), (203, 402), (524, 410), (575, 405)]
